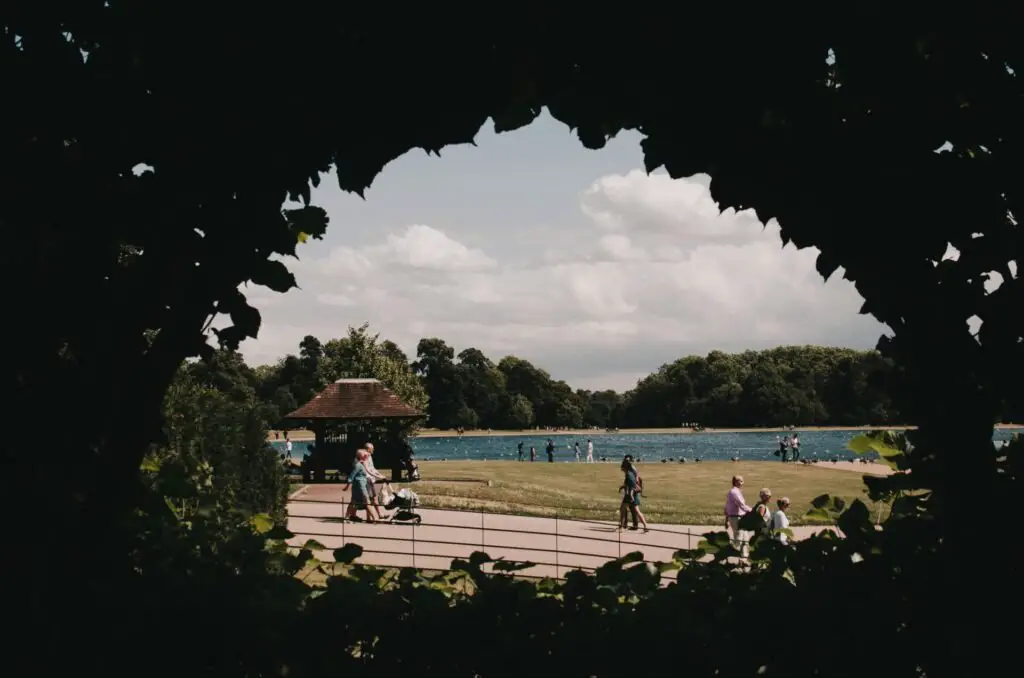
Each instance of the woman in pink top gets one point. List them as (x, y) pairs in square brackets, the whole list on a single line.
[(735, 508)]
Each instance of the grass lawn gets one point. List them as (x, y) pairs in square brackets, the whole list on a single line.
[(690, 494)]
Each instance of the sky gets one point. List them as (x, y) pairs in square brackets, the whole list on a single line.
[(528, 244)]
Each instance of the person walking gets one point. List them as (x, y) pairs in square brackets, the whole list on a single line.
[(780, 521), (358, 479), (375, 477), (550, 449), (533, 454), (759, 520), (519, 449), (735, 508), (632, 487), (576, 450), (590, 452)]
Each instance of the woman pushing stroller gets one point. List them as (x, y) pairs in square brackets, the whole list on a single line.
[(361, 482)]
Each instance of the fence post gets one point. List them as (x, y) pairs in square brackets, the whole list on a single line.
[(483, 533), (618, 537), (556, 543), (414, 545)]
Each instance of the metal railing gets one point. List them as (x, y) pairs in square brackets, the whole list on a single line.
[(565, 548)]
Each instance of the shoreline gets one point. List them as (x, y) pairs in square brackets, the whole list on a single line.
[(305, 435), (871, 469)]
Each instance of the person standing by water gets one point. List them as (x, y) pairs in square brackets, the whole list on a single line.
[(533, 453), (590, 452), (794, 444), (783, 448), (576, 450), (519, 449), (735, 508), (551, 451)]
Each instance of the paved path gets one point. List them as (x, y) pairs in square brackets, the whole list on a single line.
[(556, 545)]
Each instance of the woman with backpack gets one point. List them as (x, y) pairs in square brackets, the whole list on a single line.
[(763, 512), (758, 520)]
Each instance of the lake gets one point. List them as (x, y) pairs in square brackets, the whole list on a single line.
[(748, 446)]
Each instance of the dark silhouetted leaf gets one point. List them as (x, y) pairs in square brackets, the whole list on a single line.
[(348, 553)]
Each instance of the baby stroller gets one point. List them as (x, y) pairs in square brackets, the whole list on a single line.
[(403, 504)]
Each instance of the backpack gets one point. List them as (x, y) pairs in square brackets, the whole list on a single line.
[(753, 521)]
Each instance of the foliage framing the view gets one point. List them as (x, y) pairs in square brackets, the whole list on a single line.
[(845, 153)]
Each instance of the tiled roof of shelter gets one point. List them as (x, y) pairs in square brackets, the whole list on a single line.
[(355, 399)]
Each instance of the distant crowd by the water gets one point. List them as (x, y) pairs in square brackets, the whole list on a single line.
[(796, 446)]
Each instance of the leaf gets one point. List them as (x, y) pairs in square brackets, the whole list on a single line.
[(714, 542), (818, 514), (273, 274), (689, 554), (632, 557), (313, 545), (906, 505), (478, 558), (860, 444), (310, 221), (821, 501), (347, 553), (826, 265), (509, 566), (855, 519), (150, 464), (279, 532), (261, 523)]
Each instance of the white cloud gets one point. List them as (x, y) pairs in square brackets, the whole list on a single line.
[(659, 271), (427, 248)]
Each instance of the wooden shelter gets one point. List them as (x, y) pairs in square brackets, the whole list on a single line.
[(344, 417)]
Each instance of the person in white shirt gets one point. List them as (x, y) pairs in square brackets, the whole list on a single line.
[(590, 451), (780, 521), (288, 447), (375, 477)]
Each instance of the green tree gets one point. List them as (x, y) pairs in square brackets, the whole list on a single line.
[(520, 413), (436, 369), (361, 355), (483, 387)]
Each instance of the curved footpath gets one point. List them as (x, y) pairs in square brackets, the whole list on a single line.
[(556, 545)]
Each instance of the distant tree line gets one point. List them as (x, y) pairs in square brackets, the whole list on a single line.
[(798, 385)]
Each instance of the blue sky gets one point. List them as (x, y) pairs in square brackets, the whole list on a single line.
[(529, 244)]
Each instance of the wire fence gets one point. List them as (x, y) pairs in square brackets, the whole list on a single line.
[(554, 546)]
